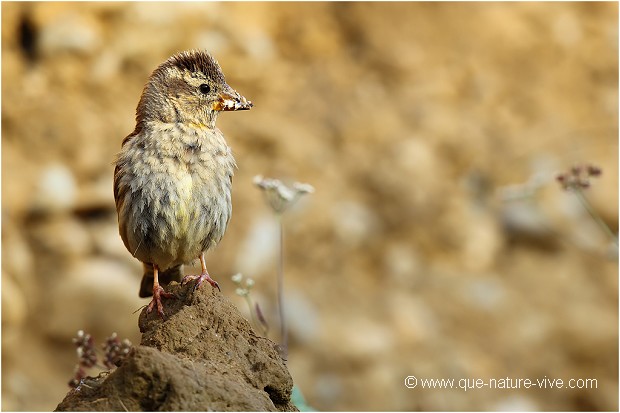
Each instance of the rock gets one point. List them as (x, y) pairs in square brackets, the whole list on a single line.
[(515, 403), (14, 309), (213, 40), (56, 189), (204, 356), (258, 45), (63, 236), (95, 197), (363, 339), (483, 241), (354, 223), (17, 256), (96, 295), (107, 241), (105, 66), (523, 222), (71, 32), (402, 264), (567, 30), (14, 314), (413, 319)]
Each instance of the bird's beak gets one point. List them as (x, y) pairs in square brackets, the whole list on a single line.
[(229, 99)]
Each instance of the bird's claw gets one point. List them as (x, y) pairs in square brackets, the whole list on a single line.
[(158, 294), (204, 276)]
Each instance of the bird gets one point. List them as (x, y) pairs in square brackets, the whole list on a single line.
[(173, 175)]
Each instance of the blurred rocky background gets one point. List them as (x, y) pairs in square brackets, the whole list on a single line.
[(437, 243)]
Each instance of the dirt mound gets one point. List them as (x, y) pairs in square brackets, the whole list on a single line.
[(204, 356)]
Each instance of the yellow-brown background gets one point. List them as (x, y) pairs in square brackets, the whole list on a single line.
[(437, 243)]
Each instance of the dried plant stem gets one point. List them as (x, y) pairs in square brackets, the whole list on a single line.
[(255, 320), (283, 327), (248, 300), (595, 216), (280, 197)]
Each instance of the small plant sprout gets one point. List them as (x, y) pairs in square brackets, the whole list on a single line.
[(243, 290), (281, 197), (87, 357), (114, 352), (85, 349), (577, 180)]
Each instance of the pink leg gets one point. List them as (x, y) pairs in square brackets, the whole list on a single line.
[(158, 294), (204, 276)]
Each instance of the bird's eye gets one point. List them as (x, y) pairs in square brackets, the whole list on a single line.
[(204, 88)]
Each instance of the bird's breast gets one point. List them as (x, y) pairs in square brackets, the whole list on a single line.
[(185, 202), (177, 193)]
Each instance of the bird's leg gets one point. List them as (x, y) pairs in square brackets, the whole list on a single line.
[(204, 276), (158, 294)]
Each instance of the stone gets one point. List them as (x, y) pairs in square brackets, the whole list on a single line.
[(14, 309), (56, 189), (17, 256), (96, 295), (354, 223), (62, 236), (107, 240), (70, 32), (14, 314)]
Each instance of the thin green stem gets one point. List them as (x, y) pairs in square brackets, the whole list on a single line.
[(283, 327), (595, 216)]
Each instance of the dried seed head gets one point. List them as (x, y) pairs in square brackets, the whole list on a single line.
[(594, 170), (242, 292), (279, 196), (237, 278), (115, 351), (577, 178), (85, 349)]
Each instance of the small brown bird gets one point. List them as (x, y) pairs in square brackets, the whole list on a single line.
[(173, 175)]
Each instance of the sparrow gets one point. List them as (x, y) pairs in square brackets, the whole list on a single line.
[(173, 174)]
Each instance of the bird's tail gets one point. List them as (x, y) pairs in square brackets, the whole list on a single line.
[(165, 277)]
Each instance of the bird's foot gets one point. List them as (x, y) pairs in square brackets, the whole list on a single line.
[(158, 294), (204, 276)]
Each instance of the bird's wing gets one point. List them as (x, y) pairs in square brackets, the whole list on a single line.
[(120, 190)]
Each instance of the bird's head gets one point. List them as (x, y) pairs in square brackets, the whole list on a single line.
[(188, 88)]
